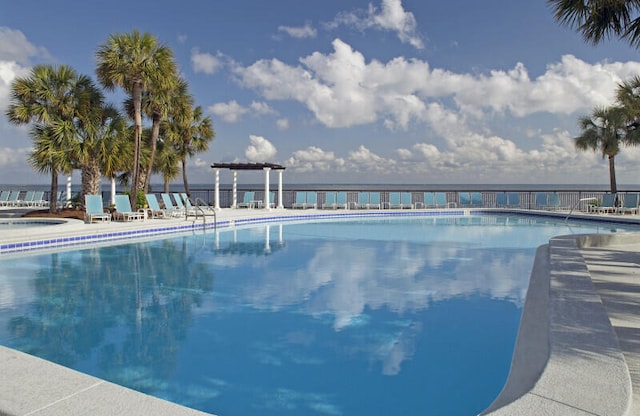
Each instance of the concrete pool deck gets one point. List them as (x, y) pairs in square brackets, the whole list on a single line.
[(577, 352)]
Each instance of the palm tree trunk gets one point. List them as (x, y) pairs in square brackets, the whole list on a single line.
[(184, 176), (612, 175), (53, 193), (137, 104), (91, 179), (155, 132)]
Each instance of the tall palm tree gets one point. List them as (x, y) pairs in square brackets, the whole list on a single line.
[(134, 62), (604, 131), (190, 133), (600, 19), (52, 98), (166, 163)]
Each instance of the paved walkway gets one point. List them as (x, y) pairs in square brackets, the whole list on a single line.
[(615, 272)]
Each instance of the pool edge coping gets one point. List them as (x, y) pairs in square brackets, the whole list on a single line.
[(522, 399), (578, 367)]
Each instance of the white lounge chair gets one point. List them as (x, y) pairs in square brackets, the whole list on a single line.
[(94, 209), (123, 210)]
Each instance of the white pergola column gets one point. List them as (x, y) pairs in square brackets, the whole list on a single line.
[(235, 189), (280, 189), (113, 191), (266, 188), (68, 189), (216, 192)]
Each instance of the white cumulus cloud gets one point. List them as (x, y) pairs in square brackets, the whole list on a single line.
[(390, 16), (306, 31), (260, 149), (205, 62)]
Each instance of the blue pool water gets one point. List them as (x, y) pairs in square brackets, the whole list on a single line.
[(411, 316)]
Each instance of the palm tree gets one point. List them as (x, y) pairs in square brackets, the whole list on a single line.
[(167, 163), (52, 98), (187, 129), (604, 131), (191, 134), (135, 62), (599, 19)]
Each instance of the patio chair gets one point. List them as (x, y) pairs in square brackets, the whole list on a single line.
[(629, 205), (513, 200), (13, 200), (4, 198), (341, 200), (37, 199), (429, 200), (476, 199), (26, 200), (464, 199), (608, 204), (248, 200), (154, 207), (329, 201), (542, 200), (94, 209), (363, 200), (554, 201), (441, 200), (394, 201), (501, 200), (301, 200), (123, 210), (374, 200), (171, 209), (181, 204), (312, 200)]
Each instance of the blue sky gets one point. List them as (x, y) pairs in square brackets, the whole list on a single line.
[(350, 91)]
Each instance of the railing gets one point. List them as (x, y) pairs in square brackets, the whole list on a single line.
[(579, 199)]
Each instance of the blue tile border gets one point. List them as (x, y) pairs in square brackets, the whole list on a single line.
[(86, 239)]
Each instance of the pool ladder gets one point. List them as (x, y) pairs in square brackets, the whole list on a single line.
[(198, 203)]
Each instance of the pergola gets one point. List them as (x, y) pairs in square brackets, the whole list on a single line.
[(234, 168)]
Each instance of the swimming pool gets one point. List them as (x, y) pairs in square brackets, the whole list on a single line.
[(391, 316)]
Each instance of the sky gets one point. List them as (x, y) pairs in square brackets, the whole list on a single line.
[(351, 91)]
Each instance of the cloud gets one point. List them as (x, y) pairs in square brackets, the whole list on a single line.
[(205, 62), (232, 112), (342, 90), (283, 124), (14, 47), (300, 32), (314, 159), (391, 16), (260, 149)]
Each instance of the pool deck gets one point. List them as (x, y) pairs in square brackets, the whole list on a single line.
[(577, 351)]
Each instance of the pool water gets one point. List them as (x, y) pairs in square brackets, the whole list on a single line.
[(404, 316)]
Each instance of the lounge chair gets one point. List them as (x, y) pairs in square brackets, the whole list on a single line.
[(441, 200), (554, 201), (374, 200), (341, 200), (154, 207), (13, 199), (464, 199), (37, 199), (513, 200), (171, 209), (4, 198), (476, 199), (248, 200), (182, 205), (629, 205), (26, 200), (399, 200), (312, 200), (94, 209), (123, 210), (363, 200), (329, 201), (301, 200), (542, 200), (607, 205), (429, 200), (501, 200)]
